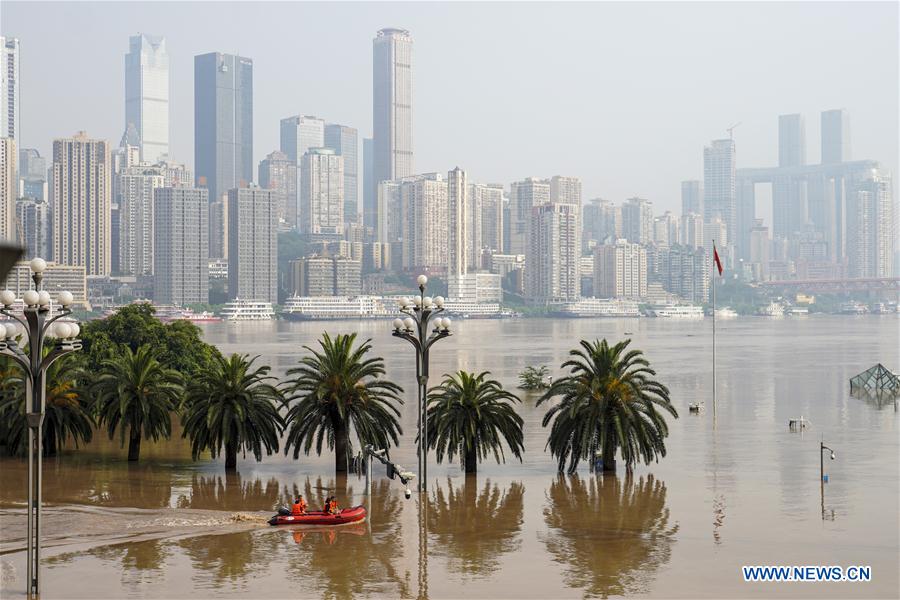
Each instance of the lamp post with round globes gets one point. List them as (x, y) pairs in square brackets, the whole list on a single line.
[(420, 311), (35, 325)]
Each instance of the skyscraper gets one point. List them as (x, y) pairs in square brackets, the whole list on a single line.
[(565, 190), (147, 94), (223, 122), (791, 141), (33, 217), (300, 133), (278, 172), (692, 230), (719, 191), (32, 174), (8, 188), (321, 192), (9, 87), (691, 197), (685, 271), (620, 270), (345, 142), (370, 186), (835, 136), (602, 221), (252, 244), (136, 186), (523, 196), (181, 247), (81, 203), (488, 199), (870, 226), (392, 104), (423, 221), (552, 258), (637, 221), (459, 241)]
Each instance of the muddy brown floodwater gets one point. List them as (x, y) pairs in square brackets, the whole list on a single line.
[(738, 490)]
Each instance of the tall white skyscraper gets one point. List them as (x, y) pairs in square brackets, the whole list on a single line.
[(637, 221), (458, 236), (552, 257), (835, 136), (9, 87), (321, 192), (81, 204), (620, 270), (33, 224), (566, 190), (278, 172), (870, 226), (487, 201), (136, 186), (147, 94), (253, 244), (344, 141), (523, 196), (423, 214), (719, 189), (389, 224), (300, 133), (8, 187), (392, 104), (181, 247), (791, 140)]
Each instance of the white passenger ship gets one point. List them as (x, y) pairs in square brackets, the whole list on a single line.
[(599, 307), (302, 308), (726, 313), (677, 311), (772, 310), (248, 310)]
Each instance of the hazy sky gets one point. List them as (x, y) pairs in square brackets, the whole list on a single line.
[(622, 95)]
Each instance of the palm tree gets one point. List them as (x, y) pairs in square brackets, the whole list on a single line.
[(336, 387), (135, 392), (66, 417), (232, 405), (470, 414), (608, 402)]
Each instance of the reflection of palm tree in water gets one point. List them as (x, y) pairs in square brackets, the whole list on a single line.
[(230, 492), (474, 528), (613, 533)]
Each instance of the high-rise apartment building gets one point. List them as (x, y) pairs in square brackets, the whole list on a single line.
[(9, 87), (523, 196), (665, 230), (870, 226), (565, 190), (8, 187), (81, 200), (552, 259), (685, 272), (835, 136), (253, 244), (223, 122), (423, 214), (760, 246), (136, 186), (487, 200), (181, 246), (692, 197), (175, 174), (389, 223), (147, 94), (278, 172), (370, 186), (791, 141), (392, 104), (620, 270), (33, 219), (458, 223), (321, 192), (637, 221), (602, 221), (719, 191), (300, 133), (344, 141), (32, 174), (692, 229)]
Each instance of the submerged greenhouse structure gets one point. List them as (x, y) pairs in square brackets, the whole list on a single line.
[(876, 379)]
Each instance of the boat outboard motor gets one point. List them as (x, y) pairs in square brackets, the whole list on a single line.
[(284, 511)]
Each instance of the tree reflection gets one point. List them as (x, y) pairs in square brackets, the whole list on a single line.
[(227, 557), (612, 533), (230, 492), (476, 527)]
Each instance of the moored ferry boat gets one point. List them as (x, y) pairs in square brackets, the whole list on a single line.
[(726, 313), (248, 310), (599, 307), (772, 310), (677, 311), (854, 308), (796, 311), (303, 308)]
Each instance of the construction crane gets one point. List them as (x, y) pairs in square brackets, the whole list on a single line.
[(731, 129)]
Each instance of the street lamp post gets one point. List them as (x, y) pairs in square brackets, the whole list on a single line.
[(822, 449), (38, 324), (420, 310)]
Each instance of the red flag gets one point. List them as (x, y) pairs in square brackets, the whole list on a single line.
[(716, 258)]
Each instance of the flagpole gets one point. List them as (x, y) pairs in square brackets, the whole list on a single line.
[(715, 267)]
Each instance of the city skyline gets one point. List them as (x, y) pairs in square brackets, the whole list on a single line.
[(344, 93)]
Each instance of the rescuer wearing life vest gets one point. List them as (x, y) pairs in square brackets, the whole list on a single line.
[(299, 507)]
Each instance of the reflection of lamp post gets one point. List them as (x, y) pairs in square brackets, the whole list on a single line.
[(822, 449), (38, 324), (414, 329)]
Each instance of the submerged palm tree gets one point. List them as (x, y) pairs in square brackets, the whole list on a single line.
[(608, 402), (233, 405), (336, 387), (135, 392), (66, 417), (469, 415)]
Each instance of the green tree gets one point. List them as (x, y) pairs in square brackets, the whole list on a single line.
[(335, 388), (471, 415), (134, 391), (233, 406), (534, 378), (608, 402), (67, 417)]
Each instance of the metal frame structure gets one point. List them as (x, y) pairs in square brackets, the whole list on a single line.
[(38, 324), (414, 329)]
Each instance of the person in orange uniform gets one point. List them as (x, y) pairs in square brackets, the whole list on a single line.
[(299, 507), (333, 506), (327, 508)]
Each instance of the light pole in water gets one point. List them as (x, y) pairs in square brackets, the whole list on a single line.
[(822, 449), (414, 329), (37, 323)]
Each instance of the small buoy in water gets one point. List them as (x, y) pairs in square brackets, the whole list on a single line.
[(695, 408)]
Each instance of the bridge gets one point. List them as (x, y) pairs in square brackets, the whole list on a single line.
[(870, 284)]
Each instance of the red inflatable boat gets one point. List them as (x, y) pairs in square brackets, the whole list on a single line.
[(317, 517)]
